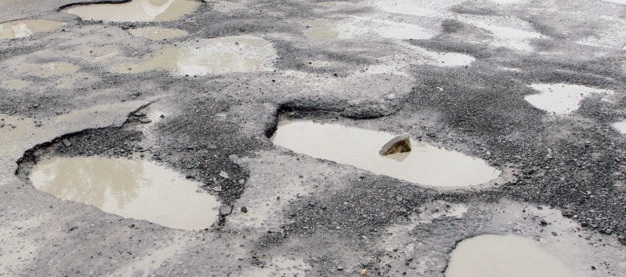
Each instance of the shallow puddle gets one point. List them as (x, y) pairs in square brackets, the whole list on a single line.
[(48, 69), (560, 99), (409, 7), (15, 84), (130, 188), (395, 30), (135, 11), (620, 126), (212, 56), (158, 33), (321, 30), (25, 28), (496, 256), (425, 164)]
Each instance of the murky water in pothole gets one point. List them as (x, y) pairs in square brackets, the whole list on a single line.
[(25, 28), (424, 164), (212, 56), (510, 255), (158, 33), (561, 99), (15, 84), (135, 11), (130, 188)]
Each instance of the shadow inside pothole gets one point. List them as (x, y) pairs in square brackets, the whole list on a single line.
[(108, 169)]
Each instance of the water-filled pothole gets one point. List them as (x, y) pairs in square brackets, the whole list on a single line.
[(135, 10), (212, 56), (424, 164), (130, 188), (25, 28), (158, 33), (561, 99), (510, 255), (15, 84), (620, 126)]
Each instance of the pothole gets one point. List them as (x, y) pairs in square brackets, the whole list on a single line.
[(158, 33), (212, 56), (26, 28), (560, 99), (320, 29), (395, 30), (620, 126), (130, 188), (46, 70), (15, 84), (424, 164), (135, 11), (509, 255)]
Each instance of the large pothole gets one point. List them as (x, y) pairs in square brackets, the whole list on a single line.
[(424, 164), (135, 10), (213, 56), (26, 28), (130, 188), (510, 255), (561, 99)]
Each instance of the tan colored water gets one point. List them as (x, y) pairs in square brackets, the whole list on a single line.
[(510, 256), (135, 11), (15, 84), (129, 188), (213, 56), (158, 33), (425, 164), (25, 28)]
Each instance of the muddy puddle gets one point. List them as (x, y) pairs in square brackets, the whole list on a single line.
[(129, 188), (509, 255), (26, 28), (211, 56), (158, 33), (135, 11), (15, 84), (561, 99), (424, 164)]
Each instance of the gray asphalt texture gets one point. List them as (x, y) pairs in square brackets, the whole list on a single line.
[(285, 213)]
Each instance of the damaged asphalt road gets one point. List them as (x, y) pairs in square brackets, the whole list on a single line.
[(203, 93)]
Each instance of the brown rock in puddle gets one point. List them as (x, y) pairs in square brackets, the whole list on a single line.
[(399, 144)]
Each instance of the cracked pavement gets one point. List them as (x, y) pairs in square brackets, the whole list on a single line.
[(455, 74)]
